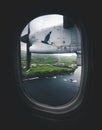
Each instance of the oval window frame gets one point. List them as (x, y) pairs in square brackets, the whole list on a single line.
[(84, 72)]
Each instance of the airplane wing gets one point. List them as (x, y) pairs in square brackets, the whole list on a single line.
[(48, 48)]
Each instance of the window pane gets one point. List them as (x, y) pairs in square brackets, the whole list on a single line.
[(51, 59)]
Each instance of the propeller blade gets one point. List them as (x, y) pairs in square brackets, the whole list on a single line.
[(25, 38), (28, 57)]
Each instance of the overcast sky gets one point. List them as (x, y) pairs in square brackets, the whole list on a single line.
[(42, 22), (39, 23)]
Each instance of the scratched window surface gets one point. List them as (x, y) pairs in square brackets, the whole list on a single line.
[(51, 64)]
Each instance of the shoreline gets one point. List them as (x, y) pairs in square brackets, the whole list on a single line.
[(49, 74)]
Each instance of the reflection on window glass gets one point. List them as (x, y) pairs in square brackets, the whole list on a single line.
[(51, 59)]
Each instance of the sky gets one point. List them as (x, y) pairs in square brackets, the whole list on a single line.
[(39, 23), (51, 20)]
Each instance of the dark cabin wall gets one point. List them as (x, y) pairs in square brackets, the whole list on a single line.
[(14, 112)]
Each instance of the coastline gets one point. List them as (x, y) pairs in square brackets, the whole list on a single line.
[(49, 74)]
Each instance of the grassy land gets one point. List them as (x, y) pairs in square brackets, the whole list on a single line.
[(48, 65)]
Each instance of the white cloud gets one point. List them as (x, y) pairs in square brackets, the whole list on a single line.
[(46, 21), (43, 22)]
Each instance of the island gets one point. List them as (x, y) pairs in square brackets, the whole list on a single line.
[(48, 65)]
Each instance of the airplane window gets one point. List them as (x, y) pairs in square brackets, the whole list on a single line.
[(51, 62)]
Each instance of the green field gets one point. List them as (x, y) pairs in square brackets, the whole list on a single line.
[(48, 65)]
